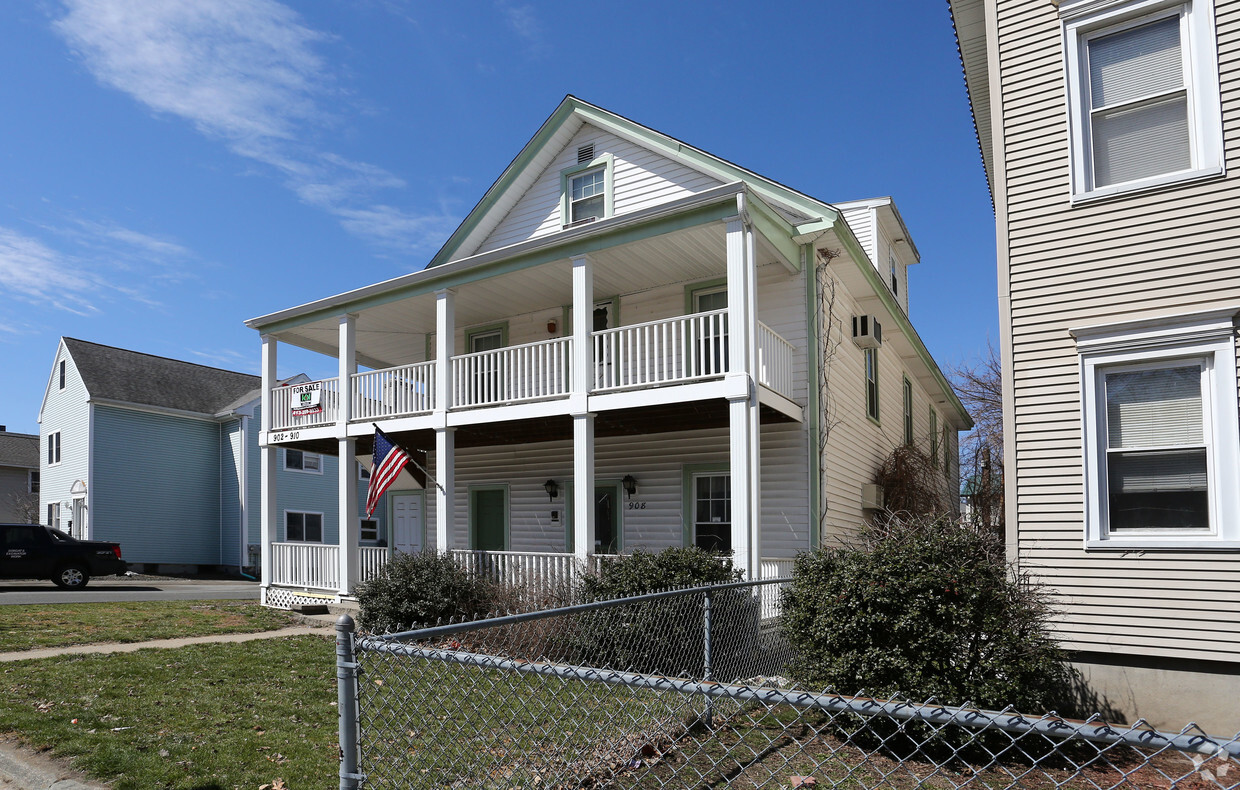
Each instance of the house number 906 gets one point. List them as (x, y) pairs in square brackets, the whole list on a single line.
[(636, 505)]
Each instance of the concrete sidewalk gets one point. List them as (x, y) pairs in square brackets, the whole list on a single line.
[(22, 768)]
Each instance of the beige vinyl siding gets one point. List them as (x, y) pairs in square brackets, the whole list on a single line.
[(641, 178), (862, 221), (1140, 255)]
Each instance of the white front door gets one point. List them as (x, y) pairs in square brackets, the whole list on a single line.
[(407, 523)]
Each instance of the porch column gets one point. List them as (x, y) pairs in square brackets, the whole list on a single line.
[(743, 396), (349, 520), (445, 349), (583, 420), (445, 501), (267, 462)]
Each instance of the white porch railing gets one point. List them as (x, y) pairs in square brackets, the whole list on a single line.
[(774, 361), (371, 559), (285, 399), (772, 568), (532, 371), (538, 573), (661, 352), (310, 565), (394, 392)]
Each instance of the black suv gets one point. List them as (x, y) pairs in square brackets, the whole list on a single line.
[(32, 551)]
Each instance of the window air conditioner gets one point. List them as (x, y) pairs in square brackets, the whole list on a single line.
[(867, 332), (871, 496)]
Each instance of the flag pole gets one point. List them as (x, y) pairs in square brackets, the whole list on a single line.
[(429, 476)]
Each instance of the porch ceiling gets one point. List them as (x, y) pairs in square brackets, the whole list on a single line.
[(395, 333)]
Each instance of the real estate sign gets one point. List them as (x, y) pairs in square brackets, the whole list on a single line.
[(307, 398)]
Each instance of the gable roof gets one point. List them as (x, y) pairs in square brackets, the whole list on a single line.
[(19, 449), (560, 127), (117, 374)]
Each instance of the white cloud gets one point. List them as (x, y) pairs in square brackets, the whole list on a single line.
[(33, 272), (525, 24), (244, 72)]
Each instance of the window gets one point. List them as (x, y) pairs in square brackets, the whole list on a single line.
[(362, 472), (908, 411), (871, 383), (369, 532), (53, 448), (53, 515), (947, 454), (303, 527), (1161, 437), (32, 482), (303, 462), (586, 191), (895, 280), (1143, 94), (62, 374), (934, 438), (712, 512)]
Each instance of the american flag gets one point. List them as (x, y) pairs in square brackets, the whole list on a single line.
[(387, 461)]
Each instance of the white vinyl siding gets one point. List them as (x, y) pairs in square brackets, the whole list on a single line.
[(1153, 253), (641, 178), (67, 412)]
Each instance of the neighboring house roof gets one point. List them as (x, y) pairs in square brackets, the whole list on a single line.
[(116, 374), (969, 18), (19, 449)]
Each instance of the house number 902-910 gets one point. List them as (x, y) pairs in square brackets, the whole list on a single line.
[(636, 505), (284, 436)]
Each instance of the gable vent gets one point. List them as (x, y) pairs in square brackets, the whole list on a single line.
[(585, 153)]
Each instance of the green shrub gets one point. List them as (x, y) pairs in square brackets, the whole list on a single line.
[(420, 590), (927, 609), (666, 636)]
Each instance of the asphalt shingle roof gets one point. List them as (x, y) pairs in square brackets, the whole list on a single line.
[(133, 377), (19, 449)]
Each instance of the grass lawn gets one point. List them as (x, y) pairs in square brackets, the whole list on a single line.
[(203, 717), (35, 626)]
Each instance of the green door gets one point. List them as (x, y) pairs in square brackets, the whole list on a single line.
[(489, 508)]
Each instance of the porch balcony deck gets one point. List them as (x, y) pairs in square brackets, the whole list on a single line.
[(680, 350), (539, 576)]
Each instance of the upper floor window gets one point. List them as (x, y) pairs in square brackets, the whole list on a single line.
[(53, 448), (586, 191), (32, 482), (303, 462), (871, 383), (1143, 94), (1161, 437), (908, 411), (62, 374), (934, 438)]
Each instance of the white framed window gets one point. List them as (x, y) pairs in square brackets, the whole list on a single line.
[(363, 473), (1161, 437), (871, 383), (369, 530), (53, 448), (586, 191), (32, 481), (908, 411), (62, 374), (1143, 94), (303, 527), (299, 461), (712, 511), (53, 515)]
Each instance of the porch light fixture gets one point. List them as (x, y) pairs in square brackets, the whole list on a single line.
[(552, 488), (552, 325), (630, 485)]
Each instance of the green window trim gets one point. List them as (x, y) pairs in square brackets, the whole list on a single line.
[(605, 161), (908, 411), (871, 385), (934, 438), (693, 289), (473, 524), (473, 331), (687, 503), (947, 454)]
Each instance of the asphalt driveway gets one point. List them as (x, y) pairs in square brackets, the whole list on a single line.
[(117, 588)]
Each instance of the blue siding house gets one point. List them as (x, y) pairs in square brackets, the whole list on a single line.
[(161, 456)]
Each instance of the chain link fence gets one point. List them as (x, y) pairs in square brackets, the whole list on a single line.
[(687, 689)]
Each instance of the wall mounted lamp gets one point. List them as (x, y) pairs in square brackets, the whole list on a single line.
[(552, 488), (630, 485)]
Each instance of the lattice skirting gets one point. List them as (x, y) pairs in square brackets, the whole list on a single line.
[(283, 598)]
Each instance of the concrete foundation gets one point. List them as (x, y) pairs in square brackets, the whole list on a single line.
[(1167, 693)]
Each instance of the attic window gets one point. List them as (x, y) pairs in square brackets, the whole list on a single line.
[(585, 154), (586, 189)]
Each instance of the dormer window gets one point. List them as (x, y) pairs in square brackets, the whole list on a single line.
[(586, 189), (588, 193)]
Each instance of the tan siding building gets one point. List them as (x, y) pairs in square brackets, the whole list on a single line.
[(1108, 134)]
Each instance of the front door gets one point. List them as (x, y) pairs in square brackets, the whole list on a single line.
[(489, 515), (407, 523), (606, 520)]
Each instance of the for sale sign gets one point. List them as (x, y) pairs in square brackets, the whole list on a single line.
[(307, 398)]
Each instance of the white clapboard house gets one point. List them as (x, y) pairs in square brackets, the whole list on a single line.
[(626, 344)]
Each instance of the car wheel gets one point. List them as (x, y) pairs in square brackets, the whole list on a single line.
[(71, 577)]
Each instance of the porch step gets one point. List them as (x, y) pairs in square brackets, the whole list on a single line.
[(311, 608)]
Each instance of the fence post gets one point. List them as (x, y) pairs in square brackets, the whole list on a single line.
[(346, 702), (706, 658)]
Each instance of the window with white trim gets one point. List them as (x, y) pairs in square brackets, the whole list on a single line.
[(301, 527), (1143, 95), (32, 481), (1161, 433), (871, 383), (712, 512), (908, 411), (53, 515), (53, 448), (299, 461), (62, 374), (368, 531), (586, 189)]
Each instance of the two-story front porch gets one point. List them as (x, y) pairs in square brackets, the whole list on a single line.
[(630, 372)]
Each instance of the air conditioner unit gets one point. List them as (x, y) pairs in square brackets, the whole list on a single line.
[(871, 496), (867, 332)]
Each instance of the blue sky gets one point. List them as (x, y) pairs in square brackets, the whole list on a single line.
[(170, 169)]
